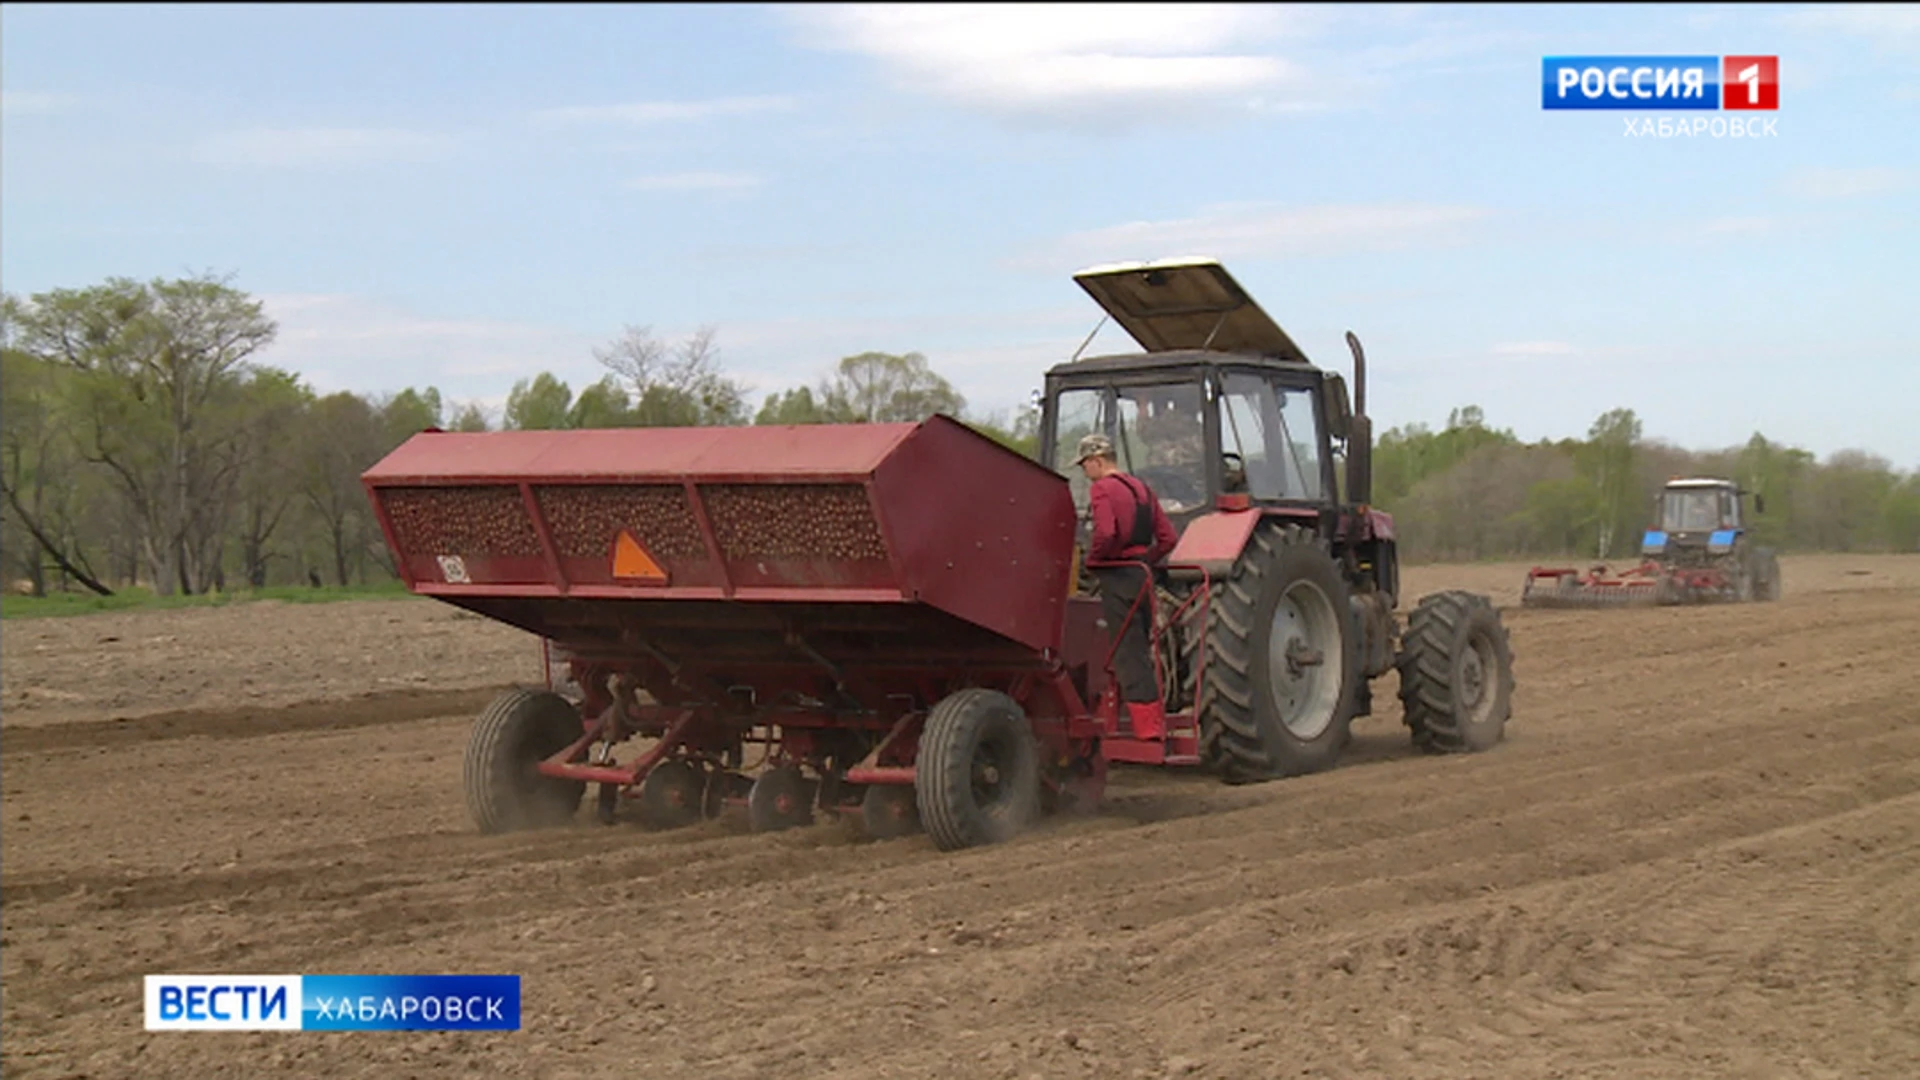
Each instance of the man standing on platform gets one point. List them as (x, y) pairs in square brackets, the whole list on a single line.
[(1128, 527)]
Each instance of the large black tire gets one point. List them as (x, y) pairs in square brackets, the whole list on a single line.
[(505, 792), (1767, 582), (1456, 674), (1262, 715), (977, 780)]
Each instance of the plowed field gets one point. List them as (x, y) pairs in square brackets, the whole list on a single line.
[(1696, 855)]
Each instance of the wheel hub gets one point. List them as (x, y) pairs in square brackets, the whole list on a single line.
[(1473, 677), (1303, 671)]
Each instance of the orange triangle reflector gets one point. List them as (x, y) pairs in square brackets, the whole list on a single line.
[(630, 560)]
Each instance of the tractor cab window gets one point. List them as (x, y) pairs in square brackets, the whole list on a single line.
[(1697, 510), (1077, 414), (1269, 439), (1161, 438), (1157, 432)]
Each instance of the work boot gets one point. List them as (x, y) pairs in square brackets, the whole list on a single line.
[(1149, 720)]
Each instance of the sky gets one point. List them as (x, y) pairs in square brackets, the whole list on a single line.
[(463, 196)]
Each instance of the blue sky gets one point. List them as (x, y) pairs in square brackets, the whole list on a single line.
[(463, 196)]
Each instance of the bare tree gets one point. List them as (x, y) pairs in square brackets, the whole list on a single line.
[(674, 386)]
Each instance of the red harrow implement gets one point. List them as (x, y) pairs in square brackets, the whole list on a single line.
[(1644, 585)]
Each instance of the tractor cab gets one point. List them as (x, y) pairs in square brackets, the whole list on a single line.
[(1696, 515), (1699, 506), (1221, 404)]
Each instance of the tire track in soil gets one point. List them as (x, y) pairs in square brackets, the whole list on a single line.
[(248, 722)]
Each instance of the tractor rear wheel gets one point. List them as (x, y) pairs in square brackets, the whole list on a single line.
[(1767, 575), (977, 780), (1281, 661), (1456, 673), (505, 790)]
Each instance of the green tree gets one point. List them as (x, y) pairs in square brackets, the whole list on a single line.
[(1565, 513), (470, 418), (540, 405), (40, 471), (276, 403), (342, 435), (602, 405), (1775, 473), (1844, 508), (880, 388), (1902, 513), (157, 368), (1405, 456), (797, 406), (1019, 432), (410, 412), (1608, 463)]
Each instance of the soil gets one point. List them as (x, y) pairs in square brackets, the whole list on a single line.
[(1696, 855)]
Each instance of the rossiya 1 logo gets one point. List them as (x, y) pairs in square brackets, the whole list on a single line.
[(1669, 83)]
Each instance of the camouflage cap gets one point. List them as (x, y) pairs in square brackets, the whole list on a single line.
[(1094, 446)]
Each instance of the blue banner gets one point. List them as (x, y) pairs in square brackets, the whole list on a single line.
[(410, 1003), (1630, 82)]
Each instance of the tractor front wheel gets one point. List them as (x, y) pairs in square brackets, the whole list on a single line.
[(977, 780), (505, 790), (1456, 673)]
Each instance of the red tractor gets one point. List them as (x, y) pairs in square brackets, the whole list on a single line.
[(888, 619)]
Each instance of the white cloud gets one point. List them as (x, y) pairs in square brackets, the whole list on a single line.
[(355, 343), (17, 103), (319, 146), (1261, 231), (1073, 62), (657, 112), (1846, 183), (695, 181)]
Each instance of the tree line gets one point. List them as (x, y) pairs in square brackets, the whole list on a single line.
[(144, 440), (1471, 491)]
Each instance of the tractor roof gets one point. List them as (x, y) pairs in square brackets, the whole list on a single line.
[(1170, 360), (1699, 482), (1188, 303)]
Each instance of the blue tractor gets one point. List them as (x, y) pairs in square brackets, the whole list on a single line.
[(1700, 549)]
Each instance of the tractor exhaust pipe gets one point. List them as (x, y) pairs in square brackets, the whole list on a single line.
[(1359, 432)]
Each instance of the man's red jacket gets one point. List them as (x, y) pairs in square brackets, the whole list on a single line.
[(1113, 499)]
